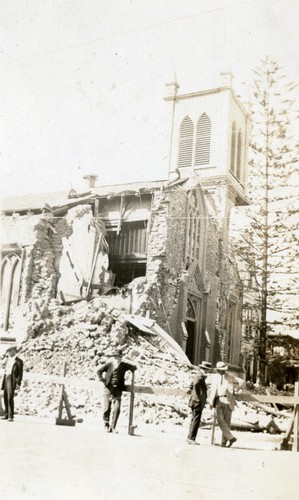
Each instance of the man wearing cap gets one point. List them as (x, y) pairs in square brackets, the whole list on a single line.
[(12, 379), (222, 398), (198, 399), (114, 382)]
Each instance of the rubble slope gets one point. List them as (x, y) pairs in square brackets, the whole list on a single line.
[(84, 335)]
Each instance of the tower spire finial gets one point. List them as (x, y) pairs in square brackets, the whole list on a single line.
[(172, 86)]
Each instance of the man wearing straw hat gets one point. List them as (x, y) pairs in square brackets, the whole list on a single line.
[(222, 398), (198, 399), (12, 379)]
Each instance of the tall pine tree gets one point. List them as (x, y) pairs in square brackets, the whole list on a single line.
[(269, 241)]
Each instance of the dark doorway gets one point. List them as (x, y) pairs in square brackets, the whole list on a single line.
[(291, 375), (125, 272), (190, 346)]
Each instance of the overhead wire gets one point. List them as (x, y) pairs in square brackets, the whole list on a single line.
[(136, 30)]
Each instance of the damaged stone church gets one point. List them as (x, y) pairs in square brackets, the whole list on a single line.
[(158, 249)]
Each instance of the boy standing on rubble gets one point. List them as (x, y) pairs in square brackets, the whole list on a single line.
[(198, 399), (114, 382)]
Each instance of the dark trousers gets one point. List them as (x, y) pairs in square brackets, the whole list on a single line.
[(111, 406), (195, 422), (9, 394)]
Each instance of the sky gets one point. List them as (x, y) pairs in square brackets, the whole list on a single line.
[(82, 83)]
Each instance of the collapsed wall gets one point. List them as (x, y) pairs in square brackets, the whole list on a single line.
[(35, 240), (83, 336), (53, 263)]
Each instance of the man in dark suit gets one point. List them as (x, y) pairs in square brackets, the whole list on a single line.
[(198, 399), (114, 382), (12, 379)]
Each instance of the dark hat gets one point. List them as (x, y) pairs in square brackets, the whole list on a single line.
[(205, 365), (12, 347), (117, 352)]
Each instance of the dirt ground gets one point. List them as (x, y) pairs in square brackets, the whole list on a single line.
[(42, 461)]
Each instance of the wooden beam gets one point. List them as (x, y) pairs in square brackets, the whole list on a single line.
[(267, 409), (296, 421), (282, 400), (131, 410), (163, 390)]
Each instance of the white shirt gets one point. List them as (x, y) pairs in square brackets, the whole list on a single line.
[(9, 364), (222, 386)]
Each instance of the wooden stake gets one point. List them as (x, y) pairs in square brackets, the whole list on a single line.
[(131, 426), (296, 421), (213, 427), (64, 400)]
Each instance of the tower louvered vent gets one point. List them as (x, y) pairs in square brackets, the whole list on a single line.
[(203, 140), (186, 143), (233, 149), (239, 155)]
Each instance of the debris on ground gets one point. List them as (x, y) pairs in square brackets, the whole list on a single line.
[(83, 335)]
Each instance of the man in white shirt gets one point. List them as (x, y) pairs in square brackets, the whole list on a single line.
[(222, 398), (12, 379)]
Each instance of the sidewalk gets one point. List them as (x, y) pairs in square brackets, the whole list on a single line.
[(42, 461)]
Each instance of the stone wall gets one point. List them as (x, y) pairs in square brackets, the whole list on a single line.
[(40, 237), (212, 248), (212, 282), (78, 244), (18, 229), (166, 249), (164, 290), (230, 294)]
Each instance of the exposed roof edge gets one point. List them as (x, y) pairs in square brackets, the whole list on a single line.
[(150, 326)]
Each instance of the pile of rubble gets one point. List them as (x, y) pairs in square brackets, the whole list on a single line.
[(83, 336)]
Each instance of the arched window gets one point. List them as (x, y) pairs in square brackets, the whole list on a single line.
[(196, 229), (233, 149), (191, 310), (239, 155), (10, 277), (186, 143), (203, 140)]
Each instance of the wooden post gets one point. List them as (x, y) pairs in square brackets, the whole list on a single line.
[(285, 442), (2, 412), (64, 400), (93, 265), (131, 426), (62, 389), (296, 421), (213, 426)]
